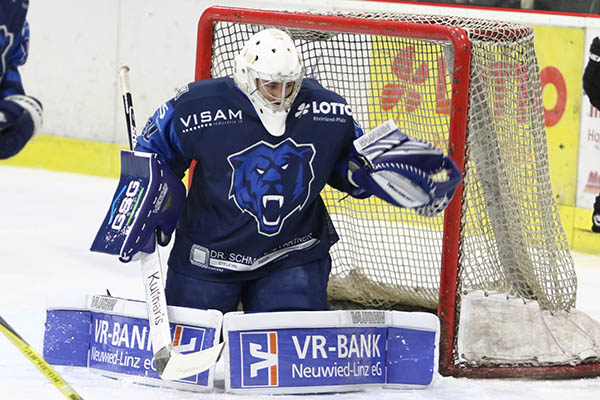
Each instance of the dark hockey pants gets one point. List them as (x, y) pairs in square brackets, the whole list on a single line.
[(301, 288)]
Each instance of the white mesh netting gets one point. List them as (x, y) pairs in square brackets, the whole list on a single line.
[(511, 236)]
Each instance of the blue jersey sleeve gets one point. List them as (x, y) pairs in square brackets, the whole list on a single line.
[(14, 49), (159, 136), (339, 176)]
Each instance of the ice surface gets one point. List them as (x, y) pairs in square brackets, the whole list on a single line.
[(47, 223)]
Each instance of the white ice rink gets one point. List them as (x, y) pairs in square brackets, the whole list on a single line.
[(47, 223)]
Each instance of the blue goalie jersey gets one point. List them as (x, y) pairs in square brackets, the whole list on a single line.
[(254, 202)]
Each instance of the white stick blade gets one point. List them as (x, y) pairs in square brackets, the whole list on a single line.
[(181, 366)]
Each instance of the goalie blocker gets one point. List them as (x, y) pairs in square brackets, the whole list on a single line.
[(149, 198), (403, 171)]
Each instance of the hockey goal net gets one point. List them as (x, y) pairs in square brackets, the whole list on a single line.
[(495, 265)]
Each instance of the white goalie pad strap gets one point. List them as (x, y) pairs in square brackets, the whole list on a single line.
[(110, 336), (329, 351), (499, 330)]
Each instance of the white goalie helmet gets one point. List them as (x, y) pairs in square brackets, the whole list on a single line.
[(269, 71)]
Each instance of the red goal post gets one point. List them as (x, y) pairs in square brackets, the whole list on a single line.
[(472, 88)]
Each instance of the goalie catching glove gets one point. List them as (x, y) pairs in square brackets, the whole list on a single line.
[(148, 199), (403, 171)]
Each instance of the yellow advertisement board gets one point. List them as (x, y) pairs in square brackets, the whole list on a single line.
[(560, 56)]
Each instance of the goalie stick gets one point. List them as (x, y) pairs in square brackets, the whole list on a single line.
[(38, 361), (170, 364)]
